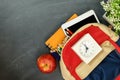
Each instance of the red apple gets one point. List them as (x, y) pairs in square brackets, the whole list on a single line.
[(46, 63)]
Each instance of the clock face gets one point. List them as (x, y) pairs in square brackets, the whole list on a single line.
[(86, 48)]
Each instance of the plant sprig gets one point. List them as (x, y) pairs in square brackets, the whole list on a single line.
[(112, 8)]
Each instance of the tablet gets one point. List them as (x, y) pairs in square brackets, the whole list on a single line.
[(88, 17)]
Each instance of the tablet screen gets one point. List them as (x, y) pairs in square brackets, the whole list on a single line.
[(90, 19)]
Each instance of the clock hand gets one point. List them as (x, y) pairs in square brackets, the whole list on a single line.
[(86, 47)]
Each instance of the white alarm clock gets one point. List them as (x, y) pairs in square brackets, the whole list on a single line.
[(86, 48)]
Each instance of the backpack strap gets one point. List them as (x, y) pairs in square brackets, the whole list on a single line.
[(115, 45)]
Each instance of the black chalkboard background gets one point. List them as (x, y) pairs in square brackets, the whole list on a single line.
[(24, 27)]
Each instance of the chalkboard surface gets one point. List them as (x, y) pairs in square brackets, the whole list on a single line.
[(24, 27)]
